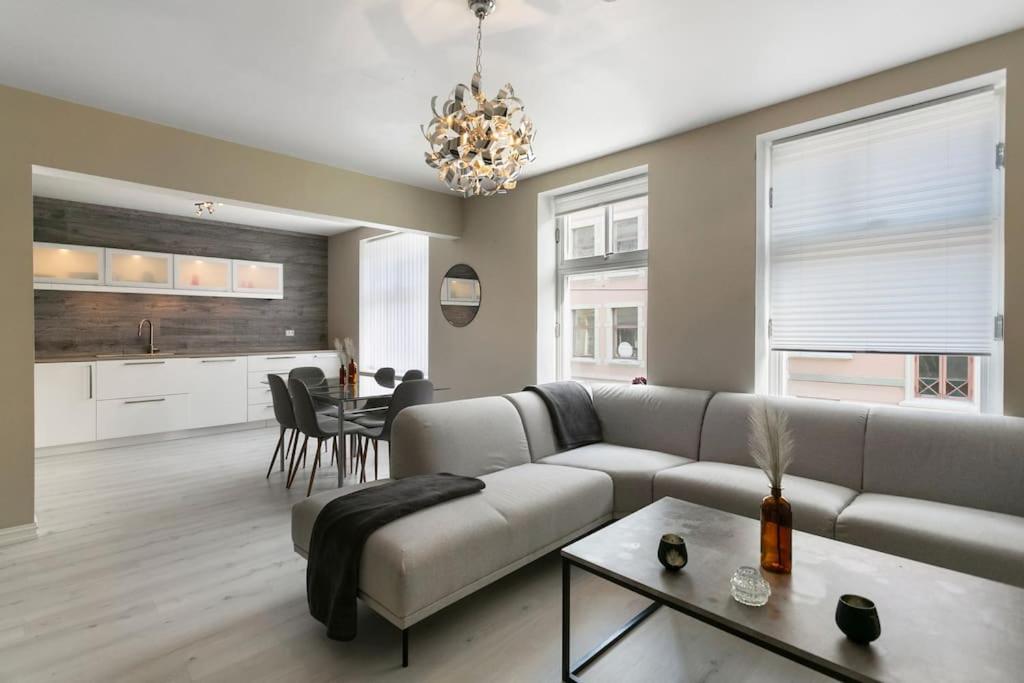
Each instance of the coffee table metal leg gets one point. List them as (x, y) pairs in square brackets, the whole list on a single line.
[(570, 672), (566, 583)]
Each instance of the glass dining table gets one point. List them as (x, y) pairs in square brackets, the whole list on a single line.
[(346, 396)]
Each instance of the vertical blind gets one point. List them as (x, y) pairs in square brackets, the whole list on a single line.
[(393, 302), (885, 235)]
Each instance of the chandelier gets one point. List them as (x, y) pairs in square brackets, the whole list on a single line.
[(479, 146)]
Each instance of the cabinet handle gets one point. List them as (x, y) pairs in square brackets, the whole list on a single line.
[(218, 360), (280, 357), (146, 400), (90, 382), (146, 362)]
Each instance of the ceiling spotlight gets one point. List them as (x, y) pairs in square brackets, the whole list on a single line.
[(207, 206)]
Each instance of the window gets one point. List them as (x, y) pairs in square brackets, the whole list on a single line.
[(950, 377), (393, 302), (626, 330), (583, 333), (602, 281), (881, 265)]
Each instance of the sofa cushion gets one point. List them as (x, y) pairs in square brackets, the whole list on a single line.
[(655, 418), (971, 460), (470, 437), (414, 563), (632, 470), (979, 542), (828, 436), (540, 432), (739, 489)]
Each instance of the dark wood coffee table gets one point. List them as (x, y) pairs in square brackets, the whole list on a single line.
[(937, 624)]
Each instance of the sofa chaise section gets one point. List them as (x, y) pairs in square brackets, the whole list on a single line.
[(416, 565), (646, 429), (944, 489), (823, 479)]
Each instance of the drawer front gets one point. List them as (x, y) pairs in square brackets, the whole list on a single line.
[(328, 362), (261, 412), (258, 380), (260, 396), (279, 362), (145, 415), (141, 377), (217, 391)]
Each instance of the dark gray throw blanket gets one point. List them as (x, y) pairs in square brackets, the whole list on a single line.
[(572, 413), (341, 530)]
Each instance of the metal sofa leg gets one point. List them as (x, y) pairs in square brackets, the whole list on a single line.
[(405, 648)]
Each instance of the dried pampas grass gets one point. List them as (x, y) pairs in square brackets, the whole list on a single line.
[(770, 443)]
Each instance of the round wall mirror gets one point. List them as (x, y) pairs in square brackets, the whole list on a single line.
[(460, 295)]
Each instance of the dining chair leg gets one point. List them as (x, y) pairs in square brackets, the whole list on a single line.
[(288, 446), (362, 457), (278, 448), (376, 465), (316, 463), (301, 456)]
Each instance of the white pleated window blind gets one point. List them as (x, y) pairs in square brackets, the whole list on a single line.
[(885, 235), (393, 302)]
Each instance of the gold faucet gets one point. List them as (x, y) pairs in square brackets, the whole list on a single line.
[(151, 348)]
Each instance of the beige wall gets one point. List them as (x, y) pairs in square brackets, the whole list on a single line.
[(343, 283), (702, 239), (41, 130)]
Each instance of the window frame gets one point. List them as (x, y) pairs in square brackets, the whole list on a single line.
[(597, 264), (770, 367)]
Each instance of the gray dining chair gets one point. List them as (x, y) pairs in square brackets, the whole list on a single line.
[(411, 393), (285, 416), (316, 426), (313, 376), (375, 407), (412, 374)]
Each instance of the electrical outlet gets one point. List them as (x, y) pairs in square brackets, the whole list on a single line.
[(289, 333)]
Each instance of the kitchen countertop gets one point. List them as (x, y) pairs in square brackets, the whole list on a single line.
[(89, 357)]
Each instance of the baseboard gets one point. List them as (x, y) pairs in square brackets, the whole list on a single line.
[(150, 438), (18, 534)]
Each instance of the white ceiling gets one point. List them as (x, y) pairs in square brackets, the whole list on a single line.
[(348, 83), (79, 187)]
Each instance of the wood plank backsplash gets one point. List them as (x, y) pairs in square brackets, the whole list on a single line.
[(98, 322)]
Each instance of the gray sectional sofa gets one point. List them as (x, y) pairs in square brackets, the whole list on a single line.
[(943, 488)]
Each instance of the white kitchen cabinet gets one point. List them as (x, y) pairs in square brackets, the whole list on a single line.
[(258, 277), (65, 403), (126, 268), (202, 273), (120, 417), (328, 362), (67, 264), (261, 412), (142, 376), (217, 390)]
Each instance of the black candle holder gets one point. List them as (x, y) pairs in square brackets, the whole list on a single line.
[(857, 617), (672, 552)]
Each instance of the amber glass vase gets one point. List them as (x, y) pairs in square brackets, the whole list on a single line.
[(776, 533), (353, 372)]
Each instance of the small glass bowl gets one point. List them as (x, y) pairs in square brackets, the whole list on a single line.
[(748, 587)]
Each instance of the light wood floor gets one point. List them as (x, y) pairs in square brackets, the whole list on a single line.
[(173, 562)]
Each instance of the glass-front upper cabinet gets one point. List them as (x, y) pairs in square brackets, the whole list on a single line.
[(200, 272), (258, 277), (127, 268), (67, 264)]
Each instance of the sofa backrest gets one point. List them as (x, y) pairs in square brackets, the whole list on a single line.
[(471, 437), (663, 419), (828, 437), (971, 460), (540, 433)]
